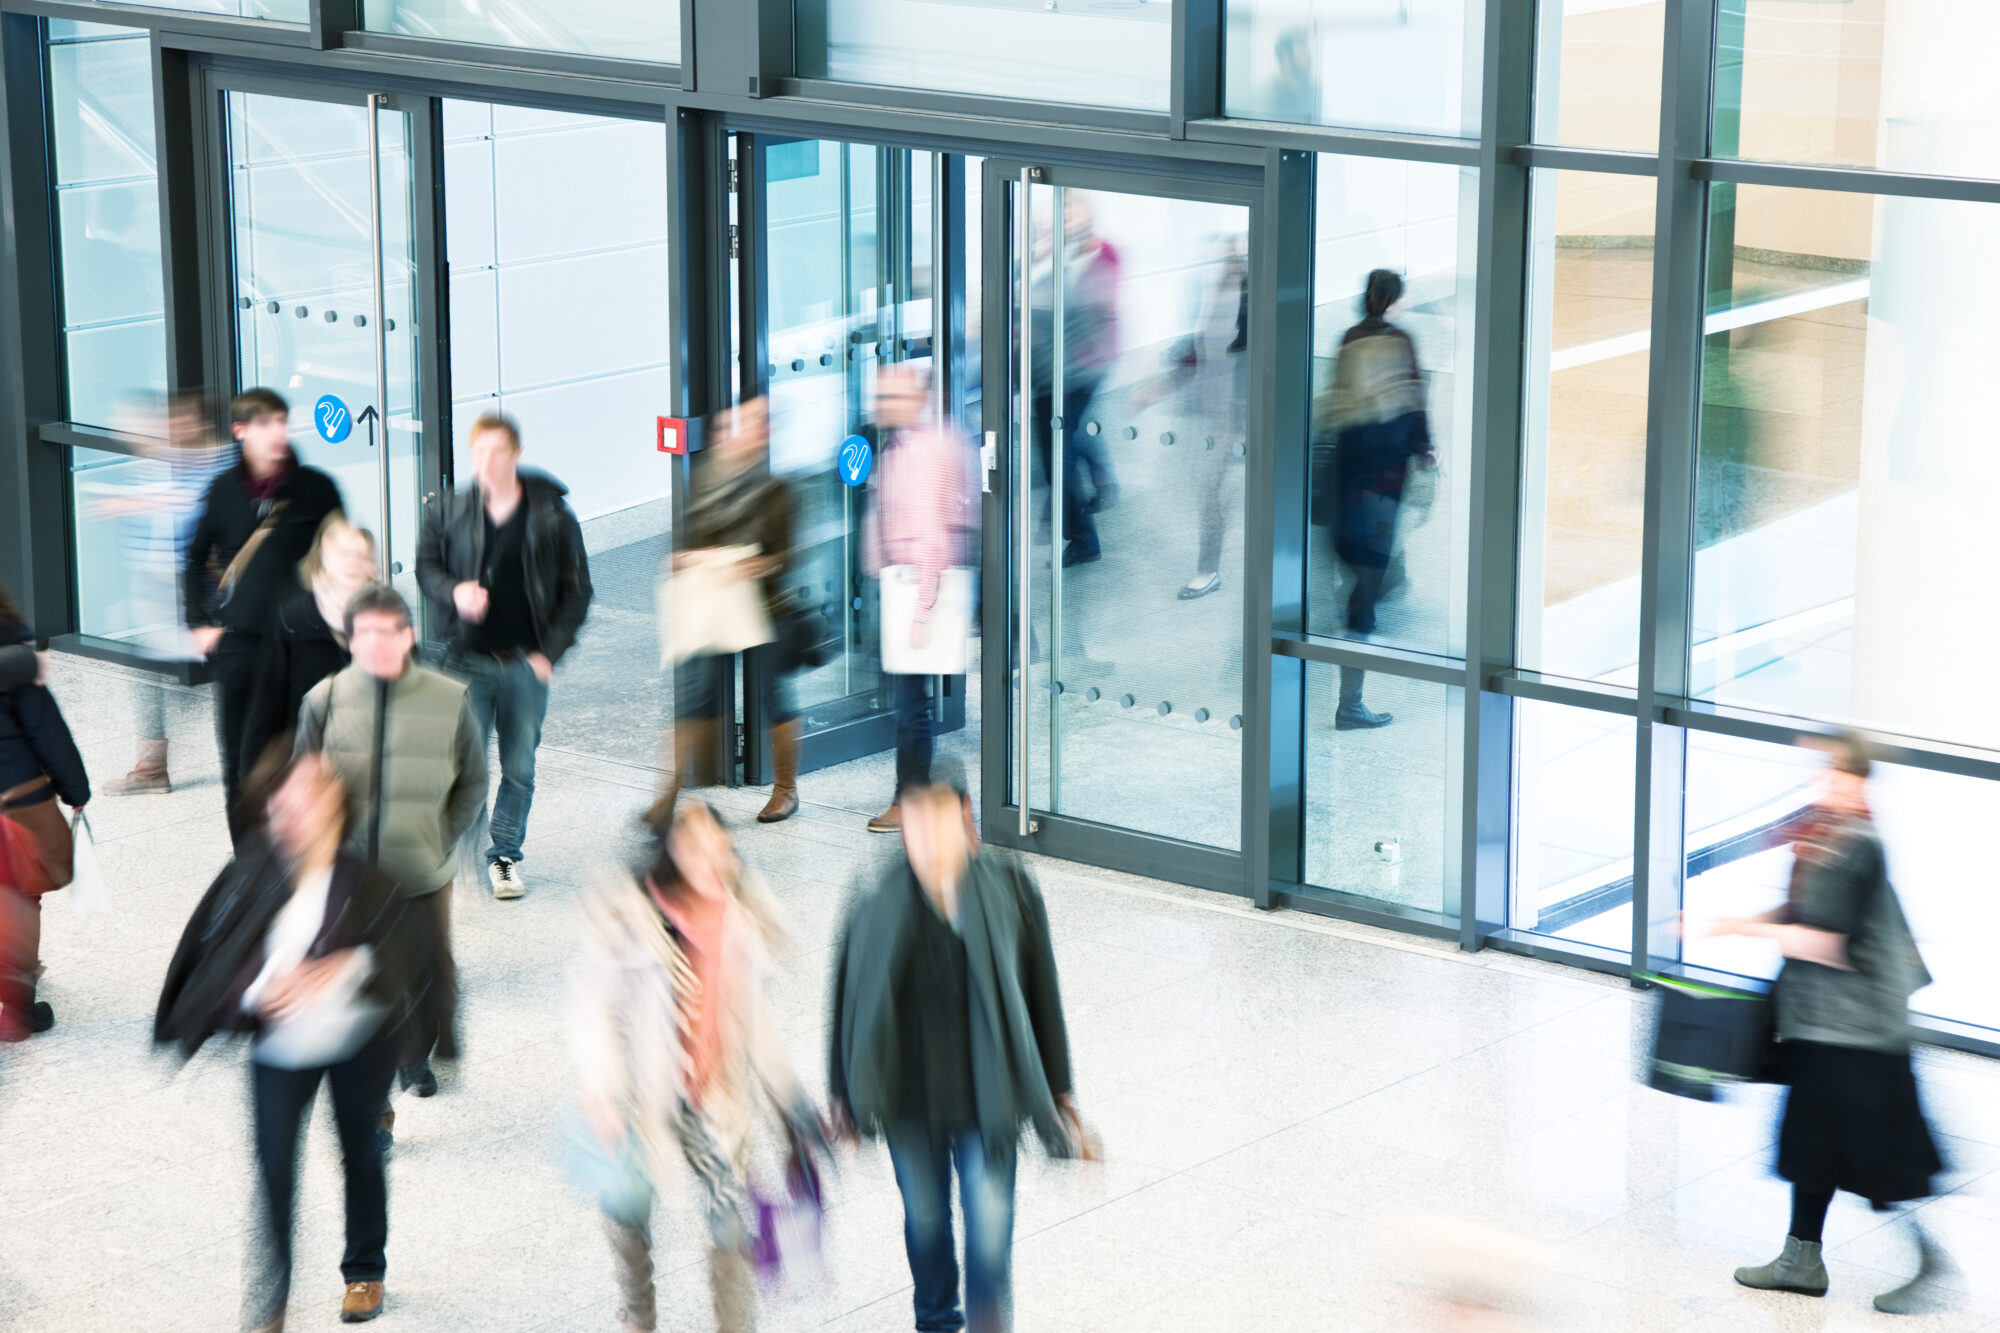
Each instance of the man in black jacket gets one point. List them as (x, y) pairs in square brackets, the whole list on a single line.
[(257, 522), (504, 567)]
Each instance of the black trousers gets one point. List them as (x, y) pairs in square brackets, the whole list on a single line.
[(233, 664), (280, 1099), (433, 1021)]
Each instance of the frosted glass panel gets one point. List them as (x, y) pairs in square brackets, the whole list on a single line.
[(623, 29), (108, 225), (1114, 55), (1369, 64)]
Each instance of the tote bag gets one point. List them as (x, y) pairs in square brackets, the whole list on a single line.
[(949, 649), (707, 606)]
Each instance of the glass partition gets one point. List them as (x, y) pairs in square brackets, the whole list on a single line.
[(1410, 65), (108, 226), (1597, 73), (286, 11), (621, 29), (1583, 440), (1849, 496), (1392, 389), (1573, 793), (1110, 55)]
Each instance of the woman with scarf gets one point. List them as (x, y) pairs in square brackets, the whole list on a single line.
[(308, 639), (1852, 1121), (673, 1038), (736, 504)]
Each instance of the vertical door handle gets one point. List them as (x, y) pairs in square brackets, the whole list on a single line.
[(1023, 486)]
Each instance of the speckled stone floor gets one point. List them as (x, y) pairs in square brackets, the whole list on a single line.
[(1281, 1097)]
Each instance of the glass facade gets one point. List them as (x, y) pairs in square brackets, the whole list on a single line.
[(620, 29), (108, 226), (1441, 464)]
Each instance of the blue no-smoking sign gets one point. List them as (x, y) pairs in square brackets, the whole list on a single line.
[(857, 458), (333, 419)]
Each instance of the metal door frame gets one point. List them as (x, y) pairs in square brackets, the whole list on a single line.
[(876, 731), (218, 77), (1065, 836)]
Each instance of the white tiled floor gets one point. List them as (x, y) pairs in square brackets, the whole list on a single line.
[(1281, 1096)]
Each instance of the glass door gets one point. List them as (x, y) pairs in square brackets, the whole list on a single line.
[(847, 267), (322, 265), (1115, 518)]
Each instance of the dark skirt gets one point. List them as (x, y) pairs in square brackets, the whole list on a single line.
[(1852, 1123)]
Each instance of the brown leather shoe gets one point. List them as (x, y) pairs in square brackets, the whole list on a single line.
[(362, 1302), (784, 802), (889, 821)]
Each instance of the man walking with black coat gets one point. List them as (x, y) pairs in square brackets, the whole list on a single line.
[(503, 564), (257, 522)]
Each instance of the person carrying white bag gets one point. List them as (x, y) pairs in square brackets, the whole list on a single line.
[(915, 539)]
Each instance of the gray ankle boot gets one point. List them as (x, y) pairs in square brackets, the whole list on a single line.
[(1921, 1291), (1797, 1268)]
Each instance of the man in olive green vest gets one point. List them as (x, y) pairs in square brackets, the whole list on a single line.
[(414, 766)]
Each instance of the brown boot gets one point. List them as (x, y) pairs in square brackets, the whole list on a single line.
[(362, 1302), (148, 776), (889, 821), (784, 800), (694, 766)]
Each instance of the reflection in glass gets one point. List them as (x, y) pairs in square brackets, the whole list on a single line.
[(1409, 65), (1139, 360), (1934, 826), (1847, 520), (1903, 87), (107, 212), (1112, 55), (621, 29), (305, 291), (1597, 73), (1381, 806), (1573, 793), (532, 336), (1379, 489), (1583, 439)]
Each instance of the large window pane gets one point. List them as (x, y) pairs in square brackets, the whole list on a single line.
[(1382, 804), (1089, 54), (1742, 794), (622, 29), (1597, 73), (1392, 423), (1849, 493), (1409, 65), (1573, 795), (1906, 86), (285, 11), (1584, 438), (108, 225)]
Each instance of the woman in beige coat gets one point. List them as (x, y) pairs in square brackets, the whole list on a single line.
[(674, 1040)]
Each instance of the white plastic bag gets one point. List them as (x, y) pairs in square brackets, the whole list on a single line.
[(948, 651), (89, 895)]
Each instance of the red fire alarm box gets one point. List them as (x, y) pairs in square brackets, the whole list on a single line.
[(673, 434)]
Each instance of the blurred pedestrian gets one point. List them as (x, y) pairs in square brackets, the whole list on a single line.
[(157, 507), (1369, 426), (308, 640), (409, 755), (920, 516), (39, 765), (947, 1036), (300, 942), (673, 1039), (1090, 348), (1852, 1119), (504, 564), (737, 505), (257, 522)]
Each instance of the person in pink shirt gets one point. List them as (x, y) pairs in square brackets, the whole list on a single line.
[(921, 514)]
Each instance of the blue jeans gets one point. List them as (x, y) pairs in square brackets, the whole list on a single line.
[(507, 695), (923, 1162), (916, 730)]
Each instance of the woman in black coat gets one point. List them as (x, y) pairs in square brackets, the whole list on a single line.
[(39, 764), (308, 637)]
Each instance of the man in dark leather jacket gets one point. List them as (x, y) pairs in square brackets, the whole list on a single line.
[(504, 567)]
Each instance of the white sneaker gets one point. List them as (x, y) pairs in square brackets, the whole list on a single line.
[(505, 879)]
